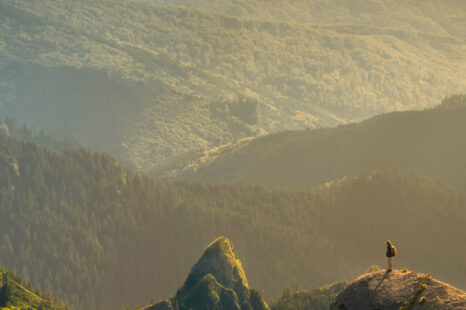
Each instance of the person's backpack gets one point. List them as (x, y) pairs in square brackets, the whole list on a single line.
[(393, 250)]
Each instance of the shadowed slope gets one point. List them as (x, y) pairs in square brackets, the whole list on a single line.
[(317, 299), (430, 142)]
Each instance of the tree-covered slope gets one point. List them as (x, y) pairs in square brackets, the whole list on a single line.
[(147, 82), (431, 142), (445, 17), (10, 128), (98, 236), (318, 299), (15, 294)]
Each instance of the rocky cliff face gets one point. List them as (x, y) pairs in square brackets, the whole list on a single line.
[(399, 290), (217, 281)]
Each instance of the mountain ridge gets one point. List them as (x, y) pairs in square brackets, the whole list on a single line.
[(217, 281), (160, 73), (428, 141)]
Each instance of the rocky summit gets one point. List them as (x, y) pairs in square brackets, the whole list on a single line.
[(217, 281), (399, 290)]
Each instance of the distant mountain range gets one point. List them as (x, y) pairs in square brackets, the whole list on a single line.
[(146, 82), (431, 142)]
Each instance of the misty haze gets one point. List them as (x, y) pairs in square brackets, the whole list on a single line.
[(232, 155)]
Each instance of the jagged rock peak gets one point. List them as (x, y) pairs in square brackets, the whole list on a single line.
[(216, 282), (220, 260), (399, 289)]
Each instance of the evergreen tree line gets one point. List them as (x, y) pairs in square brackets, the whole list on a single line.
[(15, 294), (317, 299), (98, 236), (10, 127)]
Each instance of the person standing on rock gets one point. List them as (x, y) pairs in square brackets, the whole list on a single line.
[(391, 252)]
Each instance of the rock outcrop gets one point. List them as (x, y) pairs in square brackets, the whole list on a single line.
[(399, 290), (217, 281)]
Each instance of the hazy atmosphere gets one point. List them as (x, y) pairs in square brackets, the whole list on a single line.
[(232, 155)]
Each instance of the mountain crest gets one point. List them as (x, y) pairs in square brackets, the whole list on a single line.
[(217, 281), (220, 263), (220, 260)]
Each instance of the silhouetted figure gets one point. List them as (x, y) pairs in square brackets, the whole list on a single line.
[(391, 252)]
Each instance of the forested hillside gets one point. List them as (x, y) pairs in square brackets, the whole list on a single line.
[(439, 17), (146, 82), (15, 294), (318, 299), (98, 236), (431, 142)]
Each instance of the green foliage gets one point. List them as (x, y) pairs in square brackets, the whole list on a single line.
[(209, 294), (318, 299), (147, 82), (98, 236), (426, 16), (16, 295), (429, 141)]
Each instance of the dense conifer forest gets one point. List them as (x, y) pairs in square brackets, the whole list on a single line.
[(318, 299), (98, 236), (11, 128)]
